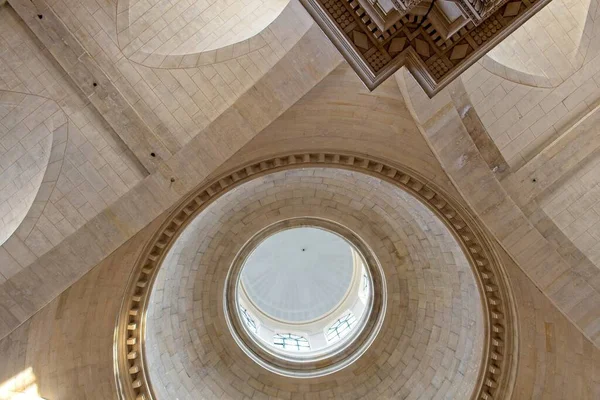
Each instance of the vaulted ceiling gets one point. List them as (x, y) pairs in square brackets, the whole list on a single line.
[(114, 114)]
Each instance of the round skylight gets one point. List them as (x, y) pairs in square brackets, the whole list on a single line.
[(301, 292), (299, 274)]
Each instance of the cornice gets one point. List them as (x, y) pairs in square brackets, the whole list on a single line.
[(413, 41)]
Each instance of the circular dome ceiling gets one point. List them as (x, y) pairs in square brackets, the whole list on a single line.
[(433, 313), (299, 274), (337, 294)]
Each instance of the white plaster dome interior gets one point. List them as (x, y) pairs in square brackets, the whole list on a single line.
[(430, 339), (299, 274), (305, 290), (183, 27)]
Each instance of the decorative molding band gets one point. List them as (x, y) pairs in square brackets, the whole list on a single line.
[(496, 375)]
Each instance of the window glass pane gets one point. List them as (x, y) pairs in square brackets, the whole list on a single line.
[(341, 328), (248, 320), (365, 289), (291, 342)]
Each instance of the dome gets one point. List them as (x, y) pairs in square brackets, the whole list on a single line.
[(418, 284), (299, 274), (300, 291)]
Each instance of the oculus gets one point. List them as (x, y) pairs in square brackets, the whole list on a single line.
[(299, 298)]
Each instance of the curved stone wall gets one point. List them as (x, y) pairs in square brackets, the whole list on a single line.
[(431, 341), (549, 48), (26, 142), (239, 39), (186, 27), (60, 162), (526, 112)]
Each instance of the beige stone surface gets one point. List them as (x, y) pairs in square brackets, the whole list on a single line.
[(547, 49), (555, 359), (62, 163), (340, 113), (573, 205), (26, 154), (570, 283), (70, 340), (77, 206), (188, 27), (92, 82), (175, 97), (525, 115), (71, 357), (430, 342), (28, 290)]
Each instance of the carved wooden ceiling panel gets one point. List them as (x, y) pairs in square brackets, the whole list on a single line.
[(436, 40)]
